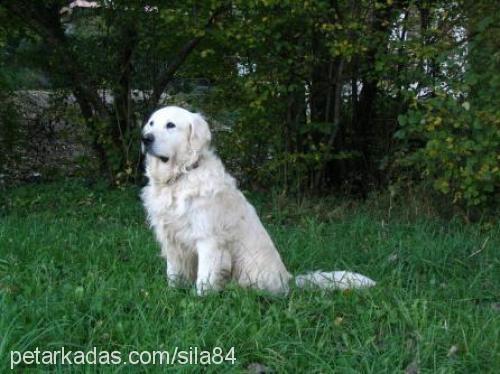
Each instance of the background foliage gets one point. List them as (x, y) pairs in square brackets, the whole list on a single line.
[(304, 96)]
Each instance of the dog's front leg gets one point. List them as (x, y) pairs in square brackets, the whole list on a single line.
[(180, 265), (214, 266)]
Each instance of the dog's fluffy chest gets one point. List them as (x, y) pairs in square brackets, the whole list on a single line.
[(171, 213), (197, 206)]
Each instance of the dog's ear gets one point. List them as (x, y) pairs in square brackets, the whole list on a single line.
[(199, 137)]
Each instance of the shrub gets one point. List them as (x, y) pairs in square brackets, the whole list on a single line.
[(460, 147)]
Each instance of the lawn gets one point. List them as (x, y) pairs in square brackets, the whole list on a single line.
[(79, 268)]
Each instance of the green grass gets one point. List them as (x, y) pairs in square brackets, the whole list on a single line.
[(79, 268)]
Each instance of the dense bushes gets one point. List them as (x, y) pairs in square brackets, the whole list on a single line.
[(305, 96), (457, 128), (460, 151)]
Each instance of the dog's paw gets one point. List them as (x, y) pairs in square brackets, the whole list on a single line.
[(204, 288)]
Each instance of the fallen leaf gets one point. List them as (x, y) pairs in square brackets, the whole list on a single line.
[(412, 368), (393, 257), (256, 368), (452, 351)]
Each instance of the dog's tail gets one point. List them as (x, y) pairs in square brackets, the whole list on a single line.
[(333, 280)]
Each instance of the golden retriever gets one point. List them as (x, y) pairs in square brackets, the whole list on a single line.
[(209, 233)]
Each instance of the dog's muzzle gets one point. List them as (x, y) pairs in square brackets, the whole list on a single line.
[(147, 142)]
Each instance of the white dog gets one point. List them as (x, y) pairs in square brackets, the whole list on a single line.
[(207, 230)]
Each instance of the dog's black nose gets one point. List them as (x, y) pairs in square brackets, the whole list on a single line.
[(148, 139)]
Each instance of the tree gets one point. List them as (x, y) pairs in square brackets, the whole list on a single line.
[(314, 95), (95, 54), (458, 123)]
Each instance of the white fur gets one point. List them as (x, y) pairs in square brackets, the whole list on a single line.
[(335, 280), (207, 230)]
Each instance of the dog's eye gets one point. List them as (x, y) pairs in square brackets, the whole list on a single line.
[(170, 125), (151, 123)]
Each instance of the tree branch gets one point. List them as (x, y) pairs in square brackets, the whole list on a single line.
[(167, 75), (45, 21)]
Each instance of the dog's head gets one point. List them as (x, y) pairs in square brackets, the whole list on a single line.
[(173, 138)]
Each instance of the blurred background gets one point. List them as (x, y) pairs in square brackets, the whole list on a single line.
[(304, 97)]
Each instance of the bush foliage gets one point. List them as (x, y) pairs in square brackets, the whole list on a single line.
[(304, 95)]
